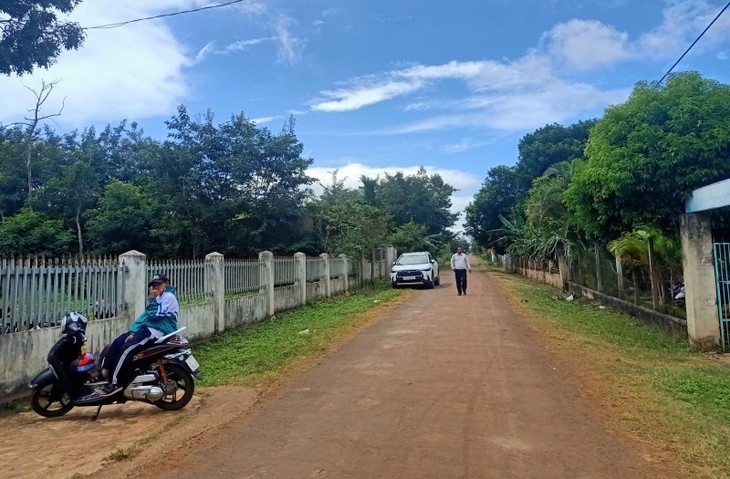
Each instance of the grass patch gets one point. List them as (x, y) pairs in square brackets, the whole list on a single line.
[(128, 452), (258, 354), (648, 384), (15, 406)]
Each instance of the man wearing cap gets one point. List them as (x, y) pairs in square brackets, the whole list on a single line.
[(157, 320)]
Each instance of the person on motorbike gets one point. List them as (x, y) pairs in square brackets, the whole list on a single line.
[(158, 319)]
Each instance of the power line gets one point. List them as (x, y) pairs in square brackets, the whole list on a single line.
[(163, 15), (696, 40)]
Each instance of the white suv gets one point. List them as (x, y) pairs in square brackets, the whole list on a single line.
[(418, 268)]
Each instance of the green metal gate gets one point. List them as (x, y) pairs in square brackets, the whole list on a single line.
[(722, 282)]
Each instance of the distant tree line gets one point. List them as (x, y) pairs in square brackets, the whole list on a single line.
[(232, 187), (618, 182)]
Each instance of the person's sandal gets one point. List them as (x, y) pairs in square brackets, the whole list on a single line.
[(108, 390)]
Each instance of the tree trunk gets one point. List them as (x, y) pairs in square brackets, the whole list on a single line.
[(620, 276), (599, 284), (78, 230), (652, 274), (636, 287)]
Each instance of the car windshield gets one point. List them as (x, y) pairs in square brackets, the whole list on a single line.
[(412, 259)]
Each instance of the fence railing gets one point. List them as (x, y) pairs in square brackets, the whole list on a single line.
[(315, 269), (285, 271), (36, 291), (189, 277), (242, 275)]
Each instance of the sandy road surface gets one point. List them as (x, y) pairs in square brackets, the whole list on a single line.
[(441, 387)]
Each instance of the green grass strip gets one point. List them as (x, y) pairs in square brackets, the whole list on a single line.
[(684, 395), (258, 353)]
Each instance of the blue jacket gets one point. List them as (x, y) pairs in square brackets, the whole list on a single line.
[(161, 313)]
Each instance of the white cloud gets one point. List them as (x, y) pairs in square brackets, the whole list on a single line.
[(524, 93), (114, 75), (586, 44), (682, 22), (360, 96), (290, 47), (263, 119)]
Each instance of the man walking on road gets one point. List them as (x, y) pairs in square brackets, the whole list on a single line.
[(460, 265)]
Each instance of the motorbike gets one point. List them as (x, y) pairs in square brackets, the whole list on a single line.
[(161, 374)]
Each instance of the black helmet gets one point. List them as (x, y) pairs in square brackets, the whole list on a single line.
[(73, 323)]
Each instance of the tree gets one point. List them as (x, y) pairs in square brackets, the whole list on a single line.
[(31, 35), (505, 189), (554, 230), (647, 155), (234, 187), (32, 123), (79, 180), (649, 249), (30, 232), (124, 219), (499, 193), (419, 198), (347, 224), (413, 237), (548, 146)]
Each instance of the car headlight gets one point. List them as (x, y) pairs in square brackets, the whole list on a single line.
[(426, 269)]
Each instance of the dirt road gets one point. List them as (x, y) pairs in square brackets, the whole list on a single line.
[(443, 386)]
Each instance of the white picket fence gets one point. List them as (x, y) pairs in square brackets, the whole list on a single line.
[(35, 292)]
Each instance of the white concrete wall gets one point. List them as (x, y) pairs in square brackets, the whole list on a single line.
[(23, 354)]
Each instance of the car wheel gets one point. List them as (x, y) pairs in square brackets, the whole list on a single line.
[(430, 285), (437, 280)]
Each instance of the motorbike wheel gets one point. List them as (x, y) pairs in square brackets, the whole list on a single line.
[(50, 401), (177, 379)]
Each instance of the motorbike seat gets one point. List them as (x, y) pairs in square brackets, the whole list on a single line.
[(173, 338)]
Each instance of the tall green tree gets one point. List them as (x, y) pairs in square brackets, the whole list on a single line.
[(551, 230), (548, 146), (124, 219), (498, 195), (32, 35), (505, 189), (234, 187), (413, 237), (421, 198), (31, 232), (346, 223), (80, 178), (647, 155)]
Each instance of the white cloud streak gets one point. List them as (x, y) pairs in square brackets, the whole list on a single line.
[(528, 91)]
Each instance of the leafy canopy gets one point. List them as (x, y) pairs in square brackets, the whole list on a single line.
[(31, 35), (647, 155)]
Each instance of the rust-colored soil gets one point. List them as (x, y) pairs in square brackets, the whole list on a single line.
[(442, 386)]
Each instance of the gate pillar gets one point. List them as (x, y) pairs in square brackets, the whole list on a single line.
[(703, 321)]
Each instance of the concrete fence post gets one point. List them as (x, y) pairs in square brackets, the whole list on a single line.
[(301, 260), (267, 282), (564, 271), (215, 288), (134, 277), (326, 275), (703, 317), (343, 257)]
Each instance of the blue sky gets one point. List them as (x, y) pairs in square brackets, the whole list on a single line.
[(377, 86)]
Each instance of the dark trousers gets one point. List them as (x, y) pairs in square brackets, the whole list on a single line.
[(460, 275), (120, 351)]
